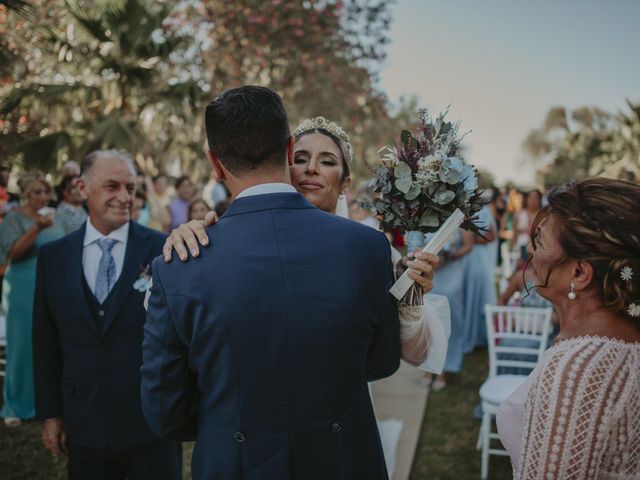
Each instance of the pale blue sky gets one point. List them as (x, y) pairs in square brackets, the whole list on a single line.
[(503, 64)]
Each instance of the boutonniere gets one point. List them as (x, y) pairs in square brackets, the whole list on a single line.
[(142, 283)]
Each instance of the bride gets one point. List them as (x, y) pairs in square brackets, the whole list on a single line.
[(321, 173)]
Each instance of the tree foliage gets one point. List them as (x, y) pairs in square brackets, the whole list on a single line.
[(587, 141), (136, 74)]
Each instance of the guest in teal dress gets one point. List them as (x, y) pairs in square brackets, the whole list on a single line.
[(22, 232), (449, 281)]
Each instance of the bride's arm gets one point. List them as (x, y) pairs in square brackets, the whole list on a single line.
[(414, 334)]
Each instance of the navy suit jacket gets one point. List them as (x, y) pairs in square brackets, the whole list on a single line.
[(261, 348), (90, 377)]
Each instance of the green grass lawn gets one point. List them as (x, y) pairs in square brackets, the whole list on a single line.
[(446, 448), (447, 444)]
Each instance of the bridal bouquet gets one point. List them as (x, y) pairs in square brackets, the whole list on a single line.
[(422, 184)]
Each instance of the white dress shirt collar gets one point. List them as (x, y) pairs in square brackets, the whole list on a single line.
[(91, 235), (266, 188), (91, 252)]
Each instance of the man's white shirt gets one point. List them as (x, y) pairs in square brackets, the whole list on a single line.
[(265, 188), (91, 252)]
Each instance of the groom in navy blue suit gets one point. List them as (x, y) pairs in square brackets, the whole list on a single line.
[(87, 335), (261, 349)]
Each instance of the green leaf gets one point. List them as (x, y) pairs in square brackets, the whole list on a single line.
[(402, 170), (405, 137), (429, 219), (404, 184), (380, 205), (89, 16), (399, 209), (445, 197), (413, 193)]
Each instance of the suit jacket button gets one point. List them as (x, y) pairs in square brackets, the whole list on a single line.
[(101, 313), (239, 436), (336, 427)]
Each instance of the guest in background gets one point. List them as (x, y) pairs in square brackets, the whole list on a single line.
[(69, 169), (498, 207), (479, 278), (142, 182), (521, 291), (221, 207), (158, 200), (362, 215), (8, 200), (22, 233), (140, 209), (523, 221), (514, 205), (70, 213), (198, 208), (448, 280), (214, 191), (179, 208)]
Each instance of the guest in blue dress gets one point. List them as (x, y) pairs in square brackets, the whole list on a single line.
[(449, 281), (22, 232), (479, 274)]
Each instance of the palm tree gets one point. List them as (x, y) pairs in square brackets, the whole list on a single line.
[(7, 59), (114, 94)]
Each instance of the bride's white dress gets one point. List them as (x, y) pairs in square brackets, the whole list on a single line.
[(424, 332)]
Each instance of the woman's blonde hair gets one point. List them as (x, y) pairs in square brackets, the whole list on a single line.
[(28, 181)]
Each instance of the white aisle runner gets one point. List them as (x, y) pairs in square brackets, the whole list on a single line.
[(399, 402), (390, 431)]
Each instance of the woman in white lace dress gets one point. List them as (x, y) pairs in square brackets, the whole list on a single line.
[(578, 414)]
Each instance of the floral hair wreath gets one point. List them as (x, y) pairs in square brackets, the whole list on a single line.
[(334, 129)]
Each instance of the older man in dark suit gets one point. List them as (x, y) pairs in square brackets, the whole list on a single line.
[(87, 335)]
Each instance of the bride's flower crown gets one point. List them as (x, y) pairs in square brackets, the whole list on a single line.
[(321, 123)]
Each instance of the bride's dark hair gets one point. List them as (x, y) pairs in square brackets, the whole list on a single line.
[(598, 223)]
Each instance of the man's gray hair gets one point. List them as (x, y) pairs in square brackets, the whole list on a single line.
[(90, 159)]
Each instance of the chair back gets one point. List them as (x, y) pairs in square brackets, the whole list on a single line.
[(517, 336)]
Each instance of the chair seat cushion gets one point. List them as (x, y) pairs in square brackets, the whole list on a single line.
[(497, 389)]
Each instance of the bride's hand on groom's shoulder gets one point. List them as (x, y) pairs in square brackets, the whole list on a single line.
[(187, 238), (421, 268)]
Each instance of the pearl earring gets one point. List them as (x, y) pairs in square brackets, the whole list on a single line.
[(572, 293)]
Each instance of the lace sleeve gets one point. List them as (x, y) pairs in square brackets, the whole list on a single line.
[(414, 336), (572, 412)]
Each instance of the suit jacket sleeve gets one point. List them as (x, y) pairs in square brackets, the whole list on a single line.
[(47, 353), (169, 391), (383, 358)]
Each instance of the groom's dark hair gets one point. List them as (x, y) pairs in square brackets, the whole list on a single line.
[(248, 129)]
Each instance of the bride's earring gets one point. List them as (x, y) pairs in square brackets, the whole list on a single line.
[(572, 291)]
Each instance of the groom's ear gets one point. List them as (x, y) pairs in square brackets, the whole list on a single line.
[(217, 166), (290, 143)]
